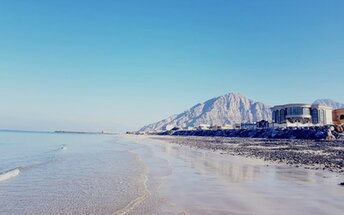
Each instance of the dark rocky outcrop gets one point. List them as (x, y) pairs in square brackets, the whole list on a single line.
[(311, 133)]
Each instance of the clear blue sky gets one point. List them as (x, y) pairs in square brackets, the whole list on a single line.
[(117, 65)]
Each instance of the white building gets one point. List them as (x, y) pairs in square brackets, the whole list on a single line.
[(204, 127), (227, 126), (168, 127), (248, 125), (301, 115)]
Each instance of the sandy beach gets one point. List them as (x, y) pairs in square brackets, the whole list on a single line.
[(203, 181)]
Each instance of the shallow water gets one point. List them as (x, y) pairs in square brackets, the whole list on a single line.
[(101, 174), (67, 174)]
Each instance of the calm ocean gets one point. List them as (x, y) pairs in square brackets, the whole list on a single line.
[(47, 173)]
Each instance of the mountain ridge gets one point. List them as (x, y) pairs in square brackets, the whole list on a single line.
[(230, 108), (330, 103)]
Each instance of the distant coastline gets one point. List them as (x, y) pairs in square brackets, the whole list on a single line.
[(56, 132), (24, 131), (84, 132)]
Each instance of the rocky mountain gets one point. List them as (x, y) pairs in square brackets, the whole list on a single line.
[(329, 102), (228, 109)]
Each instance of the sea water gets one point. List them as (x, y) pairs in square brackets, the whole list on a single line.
[(47, 173)]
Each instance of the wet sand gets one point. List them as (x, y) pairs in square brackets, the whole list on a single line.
[(198, 181), (310, 154), (101, 174)]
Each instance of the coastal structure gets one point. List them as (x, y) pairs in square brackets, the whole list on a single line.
[(204, 127), (221, 127), (301, 115), (338, 116), (256, 125), (226, 126), (168, 127), (263, 124), (176, 128), (248, 126)]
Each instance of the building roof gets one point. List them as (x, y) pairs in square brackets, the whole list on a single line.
[(321, 106), (301, 105), (291, 105)]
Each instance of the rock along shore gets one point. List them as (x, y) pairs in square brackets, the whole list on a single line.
[(309, 133), (310, 154)]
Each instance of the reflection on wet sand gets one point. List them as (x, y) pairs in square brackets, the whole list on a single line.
[(207, 182), (204, 161)]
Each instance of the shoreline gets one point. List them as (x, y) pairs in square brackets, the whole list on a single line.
[(291, 133), (307, 154), (204, 181)]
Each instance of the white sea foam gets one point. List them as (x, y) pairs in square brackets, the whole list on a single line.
[(127, 209), (33, 162), (9, 174)]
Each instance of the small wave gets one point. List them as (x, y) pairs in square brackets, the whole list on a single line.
[(137, 201), (31, 162), (9, 174), (61, 148)]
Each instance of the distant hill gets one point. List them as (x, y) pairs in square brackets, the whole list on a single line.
[(329, 102), (228, 109)]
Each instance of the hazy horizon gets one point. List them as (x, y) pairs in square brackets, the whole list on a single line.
[(117, 66)]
